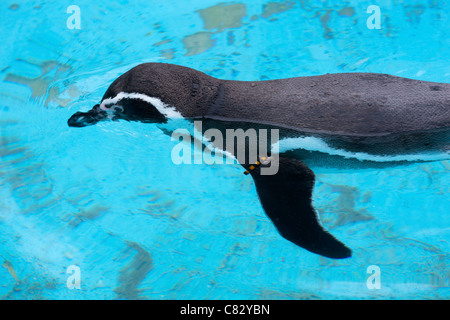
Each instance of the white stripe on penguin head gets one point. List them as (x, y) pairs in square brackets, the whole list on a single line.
[(166, 110)]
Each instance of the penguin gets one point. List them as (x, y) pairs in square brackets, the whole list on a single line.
[(345, 120)]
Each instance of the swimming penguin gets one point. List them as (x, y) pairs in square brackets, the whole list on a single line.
[(345, 119)]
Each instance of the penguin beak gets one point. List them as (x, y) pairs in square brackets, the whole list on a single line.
[(83, 119)]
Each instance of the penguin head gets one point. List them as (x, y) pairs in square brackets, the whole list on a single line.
[(127, 108), (151, 93), (83, 119)]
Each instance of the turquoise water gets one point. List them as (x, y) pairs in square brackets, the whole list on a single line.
[(108, 198)]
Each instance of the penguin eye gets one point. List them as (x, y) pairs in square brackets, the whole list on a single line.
[(117, 108), (107, 106)]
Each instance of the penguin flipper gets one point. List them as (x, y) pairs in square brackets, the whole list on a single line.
[(286, 197)]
